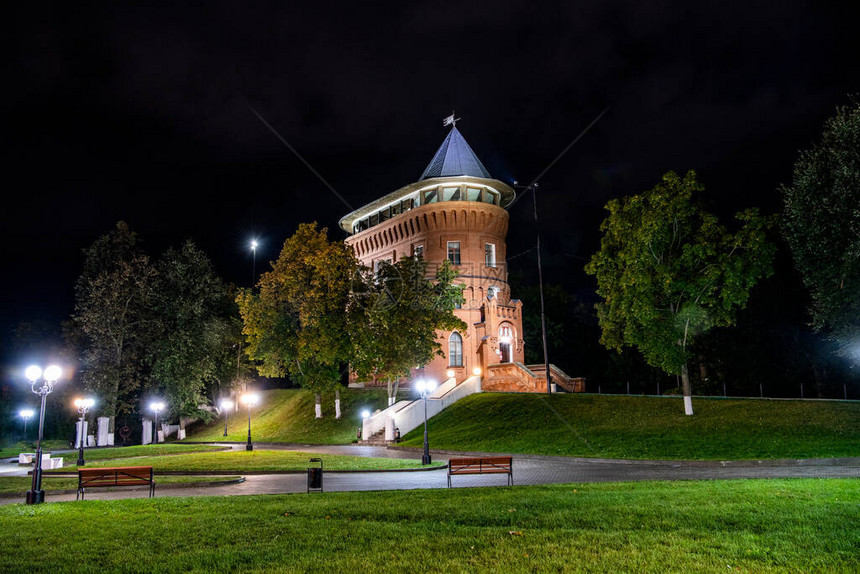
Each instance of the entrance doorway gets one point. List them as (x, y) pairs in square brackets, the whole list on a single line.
[(506, 339)]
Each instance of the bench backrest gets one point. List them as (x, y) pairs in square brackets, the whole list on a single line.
[(116, 474), (478, 463)]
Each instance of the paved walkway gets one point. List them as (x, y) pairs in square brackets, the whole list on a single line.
[(528, 469)]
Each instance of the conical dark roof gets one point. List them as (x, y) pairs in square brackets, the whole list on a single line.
[(454, 158)]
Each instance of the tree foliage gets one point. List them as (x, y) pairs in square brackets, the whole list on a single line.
[(140, 327), (395, 314), (113, 323), (296, 324), (667, 271), (822, 225), (195, 331)]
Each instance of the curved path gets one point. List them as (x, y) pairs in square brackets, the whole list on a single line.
[(528, 469)]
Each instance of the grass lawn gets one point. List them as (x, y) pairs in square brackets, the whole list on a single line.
[(287, 415), (10, 485), (807, 525), (93, 454), (257, 460), (611, 426)]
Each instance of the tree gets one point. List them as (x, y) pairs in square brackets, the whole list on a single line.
[(113, 324), (193, 309), (822, 226), (667, 271), (395, 315), (296, 325)]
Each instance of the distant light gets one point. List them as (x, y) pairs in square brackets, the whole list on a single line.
[(476, 371), (450, 373), (156, 406), (365, 414), (26, 413), (254, 245), (53, 373), (250, 399), (226, 404), (33, 373)]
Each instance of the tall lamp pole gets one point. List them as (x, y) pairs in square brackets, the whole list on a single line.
[(226, 405), (254, 245), (156, 407), (249, 399), (424, 388), (26, 414), (534, 187), (36, 495), (83, 406)]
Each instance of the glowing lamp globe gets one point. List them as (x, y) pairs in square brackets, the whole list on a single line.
[(52, 373)]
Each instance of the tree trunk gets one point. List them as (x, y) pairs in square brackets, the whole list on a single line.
[(318, 405), (686, 390), (337, 404)]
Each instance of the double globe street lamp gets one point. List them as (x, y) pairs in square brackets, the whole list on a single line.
[(424, 388), (250, 399), (50, 376), (83, 406), (156, 407), (26, 414), (226, 405)]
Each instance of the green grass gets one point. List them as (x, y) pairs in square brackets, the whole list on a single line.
[(287, 415), (256, 460), (802, 525), (10, 485), (645, 427), (93, 454)]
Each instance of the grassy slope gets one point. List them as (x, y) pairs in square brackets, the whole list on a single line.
[(713, 526), (287, 415), (645, 428)]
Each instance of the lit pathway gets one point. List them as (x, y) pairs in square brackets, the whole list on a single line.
[(528, 469)]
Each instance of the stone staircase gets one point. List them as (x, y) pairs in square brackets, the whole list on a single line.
[(519, 378), (376, 439)]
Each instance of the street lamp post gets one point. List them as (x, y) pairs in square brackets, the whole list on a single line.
[(83, 406), (36, 495), (254, 245), (157, 407), (425, 388), (26, 414), (226, 405), (250, 400)]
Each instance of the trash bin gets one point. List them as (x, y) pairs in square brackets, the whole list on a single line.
[(315, 475)]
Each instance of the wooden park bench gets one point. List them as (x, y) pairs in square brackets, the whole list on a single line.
[(115, 476), (482, 465)]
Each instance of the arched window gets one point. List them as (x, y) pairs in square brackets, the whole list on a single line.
[(455, 350)]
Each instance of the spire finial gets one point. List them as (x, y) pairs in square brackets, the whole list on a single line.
[(451, 120)]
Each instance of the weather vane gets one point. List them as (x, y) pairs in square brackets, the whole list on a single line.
[(450, 120)]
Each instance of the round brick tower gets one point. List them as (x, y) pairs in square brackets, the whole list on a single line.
[(455, 211)]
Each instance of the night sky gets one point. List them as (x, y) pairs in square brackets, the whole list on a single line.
[(147, 115)]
